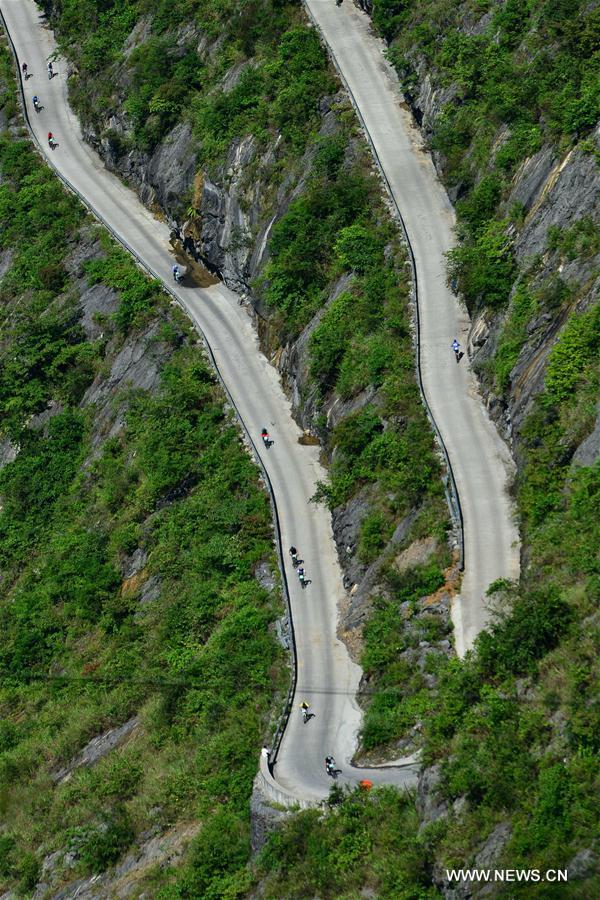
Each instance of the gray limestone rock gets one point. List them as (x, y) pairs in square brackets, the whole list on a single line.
[(150, 590), (50, 864), (347, 521), (264, 818), (282, 631), (490, 852), (85, 249), (97, 301), (95, 749), (531, 177), (589, 450), (163, 850), (583, 864), (430, 804), (8, 452), (232, 76), (229, 213), (140, 33), (171, 171), (136, 365), (40, 420), (134, 563), (362, 581), (265, 576), (570, 191), (6, 257)]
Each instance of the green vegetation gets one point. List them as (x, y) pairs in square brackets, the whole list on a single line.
[(366, 842), (137, 295), (303, 259), (337, 226), (337, 229), (482, 265), (514, 335), (81, 650), (282, 69), (581, 240), (577, 347), (551, 295), (399, 687), (277, 94), (49, 354), (514, 727), (530, 74)]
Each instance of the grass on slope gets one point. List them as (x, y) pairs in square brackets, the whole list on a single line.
[(363, 843), (338, 227), (519, 74), (80, 651), (283, 69), (513, 729)]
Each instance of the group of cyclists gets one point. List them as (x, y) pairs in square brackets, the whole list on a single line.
[(297, 564), (27, 74), (330, 765), (52, 142)]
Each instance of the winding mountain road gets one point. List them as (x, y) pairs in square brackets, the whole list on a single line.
[(480, 460), (326, 676)]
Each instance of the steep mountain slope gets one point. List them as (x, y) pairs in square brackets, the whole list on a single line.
[(261, 171), (136, 561), (505, 94), (507, 97)]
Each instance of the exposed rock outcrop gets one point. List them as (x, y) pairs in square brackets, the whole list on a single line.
[(265, 817), (136, 365), (588, 451), (161, 849), (553, 188), (96, 749), (556, 191), (430, 804)]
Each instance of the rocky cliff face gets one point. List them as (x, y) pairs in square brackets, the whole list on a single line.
[(555, 191), (224, 218), (551, 189)]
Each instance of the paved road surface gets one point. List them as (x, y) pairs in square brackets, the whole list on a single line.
[(326, 676), (480, 460)]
